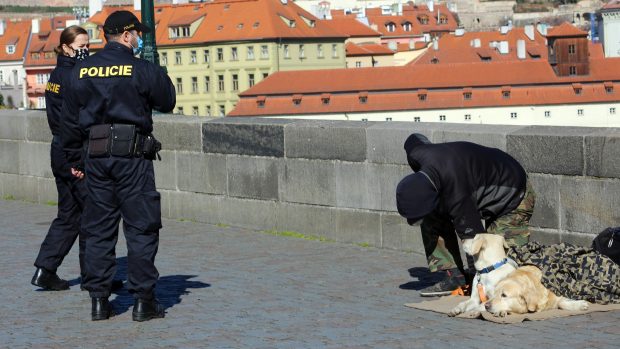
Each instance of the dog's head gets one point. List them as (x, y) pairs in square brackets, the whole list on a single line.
[(480, 244), (519, 293)]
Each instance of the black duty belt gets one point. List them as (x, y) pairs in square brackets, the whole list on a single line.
[(122, 140)]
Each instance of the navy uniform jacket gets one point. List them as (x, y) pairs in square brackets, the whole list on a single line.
[(112, 86), (474, 182), (54, 91)]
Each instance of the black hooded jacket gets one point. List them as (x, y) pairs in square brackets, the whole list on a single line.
[(54, 91), (474, 182)]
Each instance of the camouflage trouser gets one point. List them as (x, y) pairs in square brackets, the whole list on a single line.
[(441, 242)]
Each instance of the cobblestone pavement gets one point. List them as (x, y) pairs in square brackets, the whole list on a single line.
[(227, 287)]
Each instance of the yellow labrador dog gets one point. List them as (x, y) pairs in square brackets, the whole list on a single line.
[(522, 292), (492, 266)]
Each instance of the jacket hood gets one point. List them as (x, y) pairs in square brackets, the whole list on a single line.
[(416, 197)]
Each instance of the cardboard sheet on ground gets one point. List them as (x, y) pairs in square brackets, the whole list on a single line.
[(444, 304)]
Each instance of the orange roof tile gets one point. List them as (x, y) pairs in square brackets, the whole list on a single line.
[(611, 5), (565, 29), (233, 20), (354, 50), (352, 27), (42, 43), (15, 33)]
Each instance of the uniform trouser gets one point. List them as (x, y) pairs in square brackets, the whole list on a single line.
[(66, 226), (440, 240), (121, 187)]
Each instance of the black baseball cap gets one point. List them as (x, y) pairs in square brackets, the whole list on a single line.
[(121, 21)]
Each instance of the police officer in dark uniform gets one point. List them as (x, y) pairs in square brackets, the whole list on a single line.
[(71, 190), (114, 93)]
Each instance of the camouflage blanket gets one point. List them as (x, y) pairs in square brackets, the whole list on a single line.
[(573, 271)]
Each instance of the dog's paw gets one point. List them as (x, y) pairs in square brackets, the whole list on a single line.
[(582, 305), (502, 313), (456, 311)]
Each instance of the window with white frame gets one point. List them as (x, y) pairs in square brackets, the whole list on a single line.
[(235, 82), (164, 58), (192, 57), (250, 52), (195, 110), (442, 118), (467, 117), (222, 110), (513, 115), (416, 119), (547, 113), (612, 110), (206, 56), (580, 112), (358, 64), (208, 110), (220, 82), (250, 80), (195, 85), (319, 50), (287, 52), (391, 27), (234, 54), (10, 49), (207, 83), (179, 86), (177, 57), (302, 52), (335, 50), (264, 51), (42, 78), (180, 111), (220, 54), (388, 119), (41, 102)]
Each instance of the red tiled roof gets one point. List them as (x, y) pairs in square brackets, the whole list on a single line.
[(565, 29), (444, 99), (611, 5), (233, 20), (460, 49), (43, 44), (354, 50), (15, 33), (352, 27)]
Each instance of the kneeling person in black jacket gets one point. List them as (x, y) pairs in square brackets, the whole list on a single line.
[(465, 188)]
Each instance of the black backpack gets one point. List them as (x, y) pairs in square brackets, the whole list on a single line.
[(608, 243)]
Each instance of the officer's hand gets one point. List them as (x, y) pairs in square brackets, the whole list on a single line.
[(76, 173)]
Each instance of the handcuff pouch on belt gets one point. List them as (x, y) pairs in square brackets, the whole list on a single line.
[(121, 140)]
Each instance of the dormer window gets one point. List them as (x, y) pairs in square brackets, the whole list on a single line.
[(506, 92), (467, 95), (363, 97), (260, 101), (309, 22), (423, 19), (577, 88), (179, 32), (325, 97), (391, 27), (443, 19), (609, 87), (407, 26), (289, 22), (297, 99), (422, 94), (10, 49)]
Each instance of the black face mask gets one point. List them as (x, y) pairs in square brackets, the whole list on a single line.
[(81, 53)]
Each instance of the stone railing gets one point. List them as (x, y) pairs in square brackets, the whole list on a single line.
[(334, 179)]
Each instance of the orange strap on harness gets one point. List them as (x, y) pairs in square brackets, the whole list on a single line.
[(481, 294)]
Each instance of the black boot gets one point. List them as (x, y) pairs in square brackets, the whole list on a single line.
[(48, 280), (102, 309), (144, 309)]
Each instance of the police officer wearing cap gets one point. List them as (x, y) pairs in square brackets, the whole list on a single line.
[(110, 144)]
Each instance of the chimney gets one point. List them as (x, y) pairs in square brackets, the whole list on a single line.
[(411, 44), (137, 5), (35, 26), (459, 32), (476, 42), (435, 44), (431, 6), (94, 6), (529, 31), (503, 47), (393, 45), (2, 26), (521, 49)]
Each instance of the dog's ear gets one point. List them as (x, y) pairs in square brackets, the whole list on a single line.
[(477, 244)]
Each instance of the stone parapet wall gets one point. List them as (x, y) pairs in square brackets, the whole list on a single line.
[(334, 179)]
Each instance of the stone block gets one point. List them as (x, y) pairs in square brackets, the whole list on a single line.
[(253, 177), (13, 125), (306, 219), (602, 151), (553, 150), (250, 214), (47, 190), (589, 205), (35, 159), (547, 206), (20, 187), (384, 141), (197, 207), (9, 156), (396, 234), (38, 130), (368, 185), (327, 140), (201, 173), (166, 170), (309, 182), (493, 136), (244, 136), (545, 236), (579, 239), (179, 132), (358, 226)]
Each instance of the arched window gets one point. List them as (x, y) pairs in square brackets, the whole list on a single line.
[(391, 27), (407, 26)]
